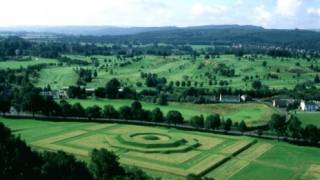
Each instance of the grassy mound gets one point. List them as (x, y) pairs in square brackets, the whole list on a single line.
[(151, 138)]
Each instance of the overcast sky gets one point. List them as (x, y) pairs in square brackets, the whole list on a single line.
[(267, 13)]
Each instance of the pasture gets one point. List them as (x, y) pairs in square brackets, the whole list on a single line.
[(253, 114), (309, 118), (16, 64), (278, 73), (57, 77), (172, 153)]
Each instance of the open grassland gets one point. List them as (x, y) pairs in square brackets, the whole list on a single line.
[(312, 173), (57, 77), (16, 64), (289, 71), (217, 156), (253, 113), (282, 161), (309, 118)]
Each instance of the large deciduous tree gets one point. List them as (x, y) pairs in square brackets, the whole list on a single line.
[(294, 127), (157, 115), (5, 103), (63, 166), (93, 112), (311, 133), (174, 117), (105, 165), (197, 121), (112, 88), (110, 112), (242, 126), (278, 124), (213, 121)]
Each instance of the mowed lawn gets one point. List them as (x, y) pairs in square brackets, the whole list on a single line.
[(80, 138), (309, 118), (265, 159), (284, 161), (253, 113), (57, 77), (14, 64)]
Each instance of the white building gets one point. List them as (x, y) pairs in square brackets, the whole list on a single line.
[(309, 106)]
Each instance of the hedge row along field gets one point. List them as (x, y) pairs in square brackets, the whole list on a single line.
[(17, 64), (254, 114), (172, 153)]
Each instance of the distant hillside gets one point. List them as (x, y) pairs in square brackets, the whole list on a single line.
[(248, 27), (111, 30), (85, 30), (246, 35), (204, 35)]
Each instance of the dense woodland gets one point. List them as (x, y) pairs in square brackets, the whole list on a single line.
[(218, 35), (249, 40)]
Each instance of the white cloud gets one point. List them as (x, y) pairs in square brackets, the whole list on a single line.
[(79, 12), (287, 8), (239, 2), (313, 11), (272, 13), (262, 15), (208, 10)]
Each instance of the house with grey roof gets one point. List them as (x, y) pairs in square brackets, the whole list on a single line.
[(230, 98), (310, 106), (283, 103)]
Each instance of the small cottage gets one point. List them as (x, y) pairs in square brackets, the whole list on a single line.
[(309, 106), (230, 98), (283, 103)]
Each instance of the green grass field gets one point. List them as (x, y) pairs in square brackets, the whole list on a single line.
[(212, 157), (309, 118), (253, 113), (57, 77), (13, 64), (181, 68)]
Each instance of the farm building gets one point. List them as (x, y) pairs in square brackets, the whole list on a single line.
[(282, 103), (89, 91), (245, 98), (55, 94), (309, 106), (13, 110), (46, 93), (230, 98)]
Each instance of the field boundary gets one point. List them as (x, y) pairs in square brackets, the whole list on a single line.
[(154, 124)]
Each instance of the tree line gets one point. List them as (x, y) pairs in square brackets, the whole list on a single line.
[(29, 99), (293, 128), (215, 122), (85, 45)]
